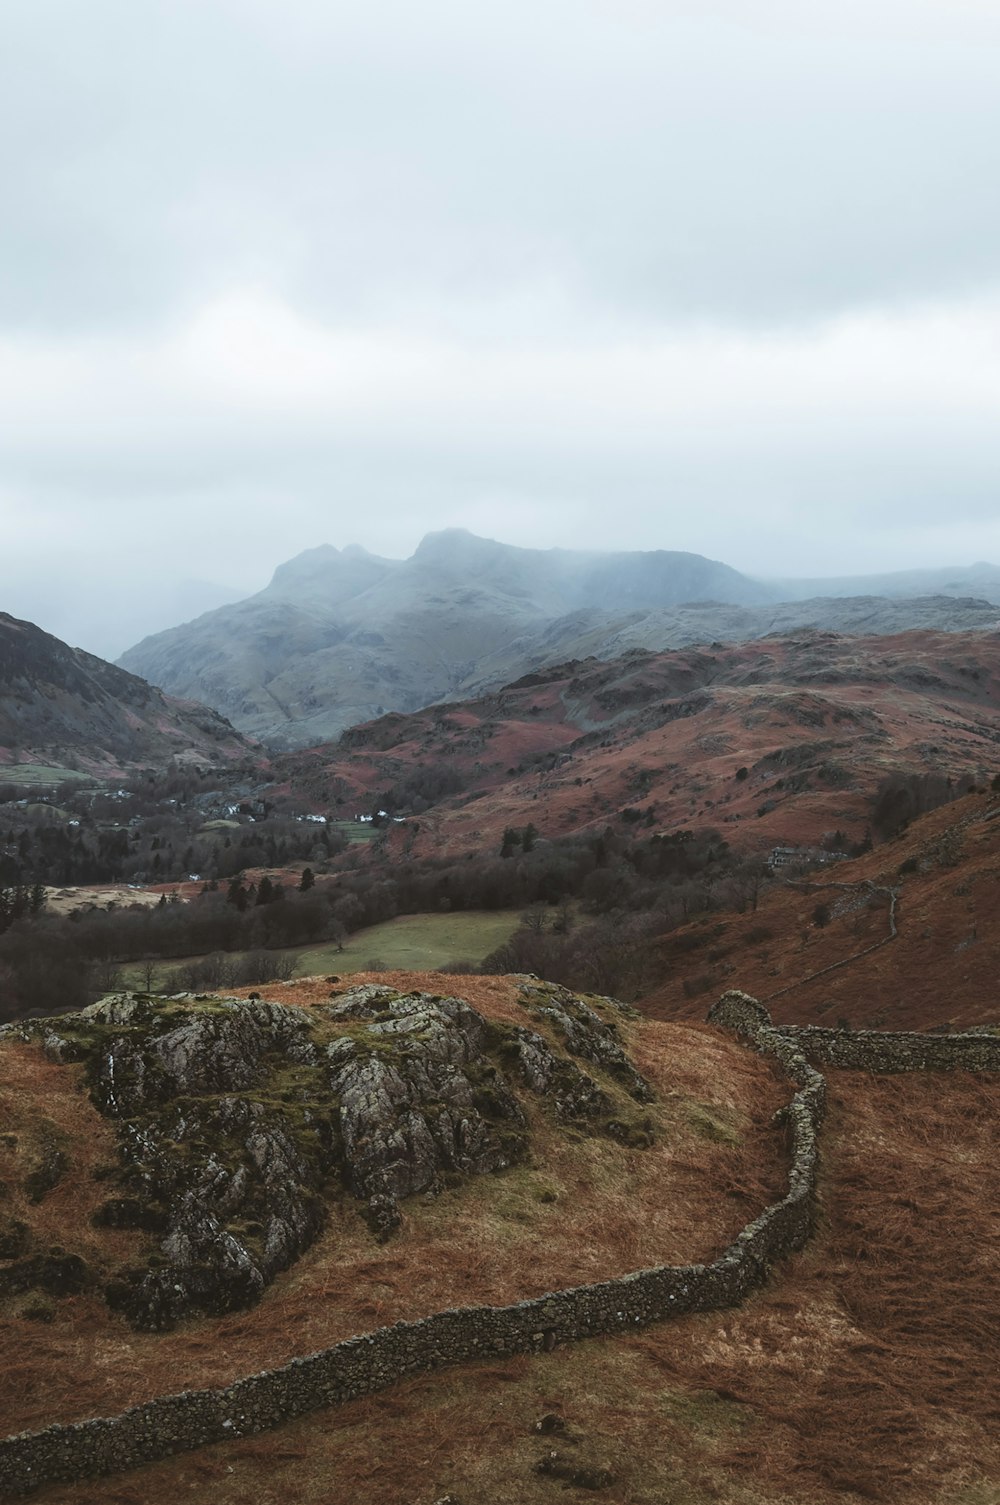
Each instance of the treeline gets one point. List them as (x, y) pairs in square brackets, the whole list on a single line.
[(52, 962), (612, 954), (901, 797), (418, 790), (161, 848), (49, 962), (18, 901)]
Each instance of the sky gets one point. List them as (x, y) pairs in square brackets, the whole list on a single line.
[(718, 275)]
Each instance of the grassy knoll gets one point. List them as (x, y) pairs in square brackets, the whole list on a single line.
[(414, 943)]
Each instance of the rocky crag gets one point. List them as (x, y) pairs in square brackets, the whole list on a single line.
[(238, 1121)]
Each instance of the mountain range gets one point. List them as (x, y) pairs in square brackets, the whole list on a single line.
[(341, 636)]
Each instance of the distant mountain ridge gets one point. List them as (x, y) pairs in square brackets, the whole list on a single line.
[(65, 708), (341, 636), (981, 580)]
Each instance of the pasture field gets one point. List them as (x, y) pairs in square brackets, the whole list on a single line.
[(411, 943), (42, 773), (354, 831)]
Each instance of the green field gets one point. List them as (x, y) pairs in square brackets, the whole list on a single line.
[(354, 830), (41, 773), (412, 943)]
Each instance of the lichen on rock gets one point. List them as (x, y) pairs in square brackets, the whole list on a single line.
[(586, 1034), (237, 1120), (436, 1104)]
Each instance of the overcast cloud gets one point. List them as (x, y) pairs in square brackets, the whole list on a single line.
[(714, 276)]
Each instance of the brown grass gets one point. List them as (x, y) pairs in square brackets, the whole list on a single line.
[(937, 971), (866, 1371), (716, 1161)]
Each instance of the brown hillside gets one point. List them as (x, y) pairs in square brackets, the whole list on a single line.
[(63, 707), (816, 720), (940, 971), (865, 1371)]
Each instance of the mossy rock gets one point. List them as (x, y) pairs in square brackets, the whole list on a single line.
[(710, 1124)]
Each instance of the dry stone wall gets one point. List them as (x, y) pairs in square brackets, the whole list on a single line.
[(177, 1423), (872, 1050), (881, 1051)]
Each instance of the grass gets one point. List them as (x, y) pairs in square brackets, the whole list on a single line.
[(354, 831), (418, 943), (865, 1370), (42, 773), (409, 943)]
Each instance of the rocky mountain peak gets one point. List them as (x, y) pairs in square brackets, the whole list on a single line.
[(328, 574)]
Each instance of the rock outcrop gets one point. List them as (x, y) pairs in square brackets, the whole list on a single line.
[(425, 1102), (237, 1120)]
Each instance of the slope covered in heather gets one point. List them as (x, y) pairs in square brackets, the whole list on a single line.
[(784, 741)]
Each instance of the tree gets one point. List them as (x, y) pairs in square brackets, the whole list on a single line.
[(307, 880), (511, 839)]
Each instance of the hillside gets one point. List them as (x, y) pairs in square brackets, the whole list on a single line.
[(862, 1370), (61, 707), (778, 742), (805, 948), (340, 636), (339, 1206)]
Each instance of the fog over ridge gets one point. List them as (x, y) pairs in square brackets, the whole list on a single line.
[(718, 278)]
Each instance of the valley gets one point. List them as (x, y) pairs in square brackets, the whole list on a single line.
[(617, 801), (305, 1043)]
